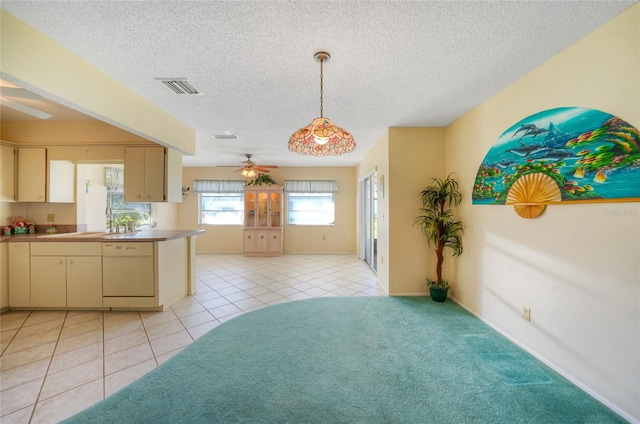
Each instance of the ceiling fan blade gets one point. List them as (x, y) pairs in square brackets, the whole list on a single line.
[(20, 93), (26, 109), (261, 169)]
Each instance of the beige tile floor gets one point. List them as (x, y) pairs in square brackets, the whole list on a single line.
[(57, 363)]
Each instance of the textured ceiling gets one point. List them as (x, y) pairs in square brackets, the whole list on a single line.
[(398, 63)]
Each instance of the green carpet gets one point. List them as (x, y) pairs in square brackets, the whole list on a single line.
[(351, 360)]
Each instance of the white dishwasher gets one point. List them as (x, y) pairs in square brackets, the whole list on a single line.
[(127, 269)]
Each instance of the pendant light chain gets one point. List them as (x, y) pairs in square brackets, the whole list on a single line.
[(321, 87)]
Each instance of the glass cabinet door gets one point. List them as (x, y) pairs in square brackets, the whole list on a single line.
[(275, 210), (263, 209), (249, 209)]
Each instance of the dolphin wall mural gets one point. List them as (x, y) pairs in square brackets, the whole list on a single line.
[(568, 154)]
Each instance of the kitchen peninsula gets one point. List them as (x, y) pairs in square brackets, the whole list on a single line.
[(146, 270)]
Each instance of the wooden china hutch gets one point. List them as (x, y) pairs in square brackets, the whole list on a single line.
[(263, 221)]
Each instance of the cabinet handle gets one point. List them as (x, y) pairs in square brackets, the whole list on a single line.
[(249, 237), (274, 237), (70, 261), (261, 237), (59, 261)]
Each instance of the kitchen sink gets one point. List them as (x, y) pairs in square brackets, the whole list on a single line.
[(79, 234)]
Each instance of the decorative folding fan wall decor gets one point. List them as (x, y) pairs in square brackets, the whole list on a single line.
[(563, 155)]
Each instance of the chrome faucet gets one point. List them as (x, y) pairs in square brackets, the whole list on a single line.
[(109, 213)]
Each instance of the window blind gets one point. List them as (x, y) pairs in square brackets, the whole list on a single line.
[(218, 186), (310, 186)]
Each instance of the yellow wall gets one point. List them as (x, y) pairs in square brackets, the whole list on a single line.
[(415, 156), (339, 238), (39, 64), (575, 266)]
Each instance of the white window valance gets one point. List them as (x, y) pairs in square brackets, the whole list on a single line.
[(218, 186), (310, 186)]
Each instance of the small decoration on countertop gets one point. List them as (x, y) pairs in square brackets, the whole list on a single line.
[(22, 226), (262, 179)]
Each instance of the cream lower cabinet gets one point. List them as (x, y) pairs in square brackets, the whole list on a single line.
[(66, 275), (19, 275)]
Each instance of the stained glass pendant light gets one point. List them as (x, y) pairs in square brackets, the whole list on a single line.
[(322, 137)]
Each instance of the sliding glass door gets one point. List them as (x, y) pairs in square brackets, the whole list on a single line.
[(370, 220)]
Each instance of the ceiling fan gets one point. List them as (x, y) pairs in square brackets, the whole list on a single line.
[(251, 169), (15, 98)]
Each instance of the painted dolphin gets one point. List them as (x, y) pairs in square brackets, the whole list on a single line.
[(525, 150)]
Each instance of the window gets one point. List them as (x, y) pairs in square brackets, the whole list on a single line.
[(123, 212), (221, 201), (310, 202)]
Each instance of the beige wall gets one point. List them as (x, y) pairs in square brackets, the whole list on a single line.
[(415, 156), (339, 238), (576, 266), (405, 159)]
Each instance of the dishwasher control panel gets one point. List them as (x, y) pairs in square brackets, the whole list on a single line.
[(127, 249)]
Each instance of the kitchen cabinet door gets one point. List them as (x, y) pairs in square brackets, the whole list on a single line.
[(62, 181), (84, 281), (8, 174), (152, 174), (134, 174), (32, 174), (19, 275), (48, 281), (4, 275)]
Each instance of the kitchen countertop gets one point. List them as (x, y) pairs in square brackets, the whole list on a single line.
[(142, 235)]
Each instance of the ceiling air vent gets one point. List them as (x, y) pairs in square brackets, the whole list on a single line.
[(226, 136), (180, 86)]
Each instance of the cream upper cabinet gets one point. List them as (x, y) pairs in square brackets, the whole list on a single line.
[(32, 174), (62, 181), (152, 174), (8, 174)]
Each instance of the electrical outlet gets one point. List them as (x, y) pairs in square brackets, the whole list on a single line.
[(526, 313), (51, 217)]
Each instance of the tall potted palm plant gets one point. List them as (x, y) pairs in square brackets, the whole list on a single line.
[(437, 222)]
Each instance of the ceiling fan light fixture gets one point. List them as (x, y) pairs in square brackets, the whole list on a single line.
[(248, 172), (322, 137)]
